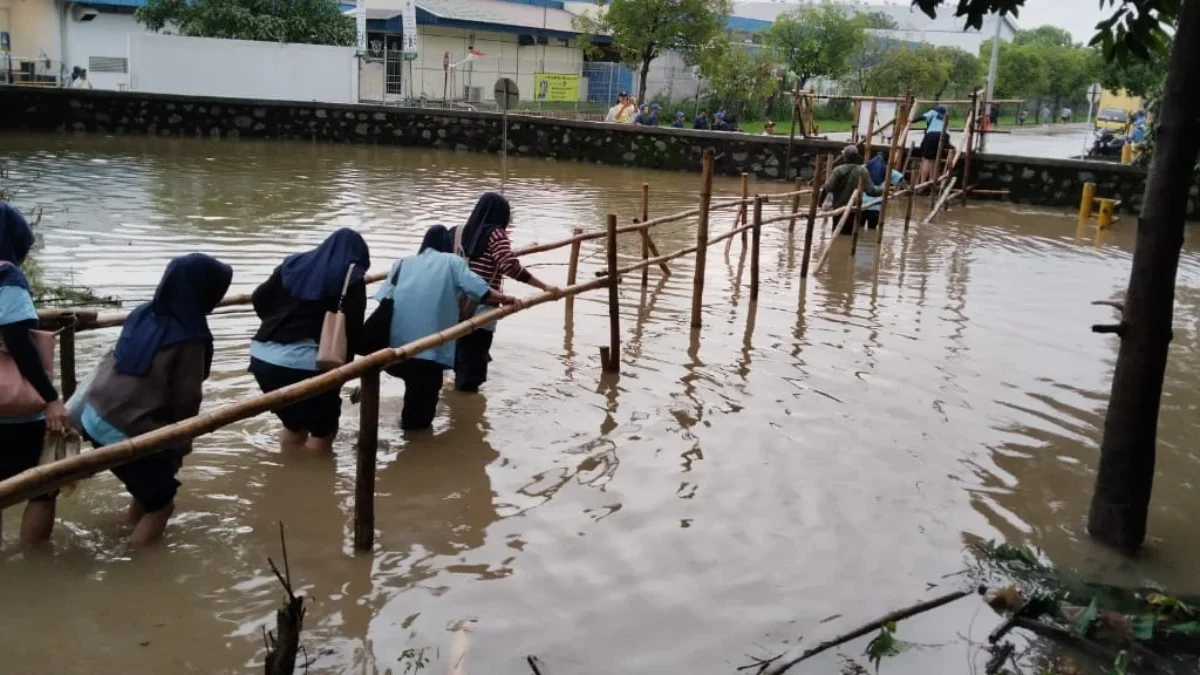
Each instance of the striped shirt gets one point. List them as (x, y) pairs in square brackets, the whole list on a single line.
[(498, 261)]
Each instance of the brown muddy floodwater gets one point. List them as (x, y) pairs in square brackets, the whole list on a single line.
[(796, 470)]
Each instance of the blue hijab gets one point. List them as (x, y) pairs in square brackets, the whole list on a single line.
[(878, 169), (319, 274), (16, 238), (439, 239), (190, 289), (491, 211)]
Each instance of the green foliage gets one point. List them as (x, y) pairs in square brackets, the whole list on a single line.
[(817, 40), (305, 21), (964, 72), (1120, 665), (642, 29), (1142, 626), (1136, 76), (920, 70), (885, 644), (1021, 71), (737, 76), (1036, 64), (879, 21), (1088, 618), (1044, 36)]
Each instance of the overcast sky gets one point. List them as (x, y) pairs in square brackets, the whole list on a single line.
[(1078, 16)]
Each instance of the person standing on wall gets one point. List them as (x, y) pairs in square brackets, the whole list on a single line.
[(483, 241), (23, 434), (935, 126), (292, 305), (154, 378)]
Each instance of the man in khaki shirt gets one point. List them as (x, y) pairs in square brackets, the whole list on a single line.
[(848, 176)]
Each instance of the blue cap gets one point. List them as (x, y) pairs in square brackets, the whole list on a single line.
[(655, 106), (940, 109), (679, 113)]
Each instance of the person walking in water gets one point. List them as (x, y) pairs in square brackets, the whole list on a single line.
[(425, 289), (483, 241), (935, 126), (292, 304), (22, 432), (848, 176), (154, 378)]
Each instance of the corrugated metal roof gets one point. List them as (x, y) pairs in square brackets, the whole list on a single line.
[(497, 12)]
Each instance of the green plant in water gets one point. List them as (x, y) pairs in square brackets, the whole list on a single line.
[(885, 644)]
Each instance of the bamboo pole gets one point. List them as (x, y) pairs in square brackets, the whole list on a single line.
[(837, 231), (796, 203), (941, 201), (967, 142), (629, 269), (937, 161), (645, 215), (66, 358), (858, 212), (742, 212), (755, 236), (48, 477), (573, 269), (364, 476), (613, 362), (855, 113), (666, 270), (914, 173), (893, 155), (856, 224), (787, 162), (818, 179), (706, 179)]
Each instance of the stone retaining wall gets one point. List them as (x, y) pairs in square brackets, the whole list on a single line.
[(1030, 180)]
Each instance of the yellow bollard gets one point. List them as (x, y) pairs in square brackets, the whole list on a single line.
[(1105, 215), (1127, 153), (1085, 203)]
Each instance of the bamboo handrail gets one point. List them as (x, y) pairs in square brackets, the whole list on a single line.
[(837, 230), (48, 477), (676, 254)]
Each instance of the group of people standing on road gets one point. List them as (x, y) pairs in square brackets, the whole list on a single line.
[(154, 375)]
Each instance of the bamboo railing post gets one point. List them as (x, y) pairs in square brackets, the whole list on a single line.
[(612, 363), (818, 180), (755, 235), (66, 359), (706, 180), (364, 476), (902, 113), (796, 200), (855, 114), (645, 233), (937, 162), (745, 208), (857, 205), (573, 267), (967, 144), (914, 174)]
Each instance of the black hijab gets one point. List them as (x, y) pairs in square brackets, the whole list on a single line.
[(491, 211)]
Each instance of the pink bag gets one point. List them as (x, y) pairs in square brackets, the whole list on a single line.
[(18, 398)]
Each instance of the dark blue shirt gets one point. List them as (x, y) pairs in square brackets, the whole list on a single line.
[(701, 122)]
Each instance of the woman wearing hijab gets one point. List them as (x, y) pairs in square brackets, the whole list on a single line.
[(22, 437), (153, 379), (292, 304), (425, 289), (935, 126), (487, 248)]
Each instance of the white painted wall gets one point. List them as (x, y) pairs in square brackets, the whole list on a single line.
[(670, 77), (35, 26), (173, 64), (107, 35)]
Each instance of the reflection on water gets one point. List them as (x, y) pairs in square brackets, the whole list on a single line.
[(825, 452)]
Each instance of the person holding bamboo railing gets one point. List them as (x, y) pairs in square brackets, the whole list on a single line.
[(935, 125), (29, 404), (154, 378), (483, 241), (850, 175), (292, 305), (425, 291)]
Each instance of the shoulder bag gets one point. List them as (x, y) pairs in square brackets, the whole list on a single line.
[(331, 353), (377, 330), (467, 306), (18, 398)]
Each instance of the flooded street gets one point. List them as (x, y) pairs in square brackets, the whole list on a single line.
[(793, 469)]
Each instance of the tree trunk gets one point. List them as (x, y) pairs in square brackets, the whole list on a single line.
[(646, 60), (1121, 500)]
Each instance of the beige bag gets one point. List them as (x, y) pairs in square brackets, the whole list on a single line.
[(18, 398), (332, 352), (467, 306)]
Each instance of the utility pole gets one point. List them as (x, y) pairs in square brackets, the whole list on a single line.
[(991, 80)]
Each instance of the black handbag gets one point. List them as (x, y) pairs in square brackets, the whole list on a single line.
[(377, 329)]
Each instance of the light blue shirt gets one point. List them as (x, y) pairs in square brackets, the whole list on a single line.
[(297, 355), (877, 202), (16, 305), (100, 430), (933, 123), (426, 296)]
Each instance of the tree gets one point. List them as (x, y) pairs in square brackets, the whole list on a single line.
[(816, 40), (963, 73), (1069, 72), (307, 21), (1125, 478), (1021, 70), (916, 69), (737, 75), (879, 21), (642, 29), (1136, 76), (1044, 36)]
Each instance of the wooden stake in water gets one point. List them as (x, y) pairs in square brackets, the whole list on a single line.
[(743, 209), (818, 181), (937, 162), (645, 234), (613, 364), (66, 358), (364, 477), (858, 213), (913, 174), (706, 179), (796, 199), (573, 267), (968, 142), (902, 113), (755, 236)]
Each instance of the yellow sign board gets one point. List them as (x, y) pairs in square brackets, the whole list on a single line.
[(555, 87)]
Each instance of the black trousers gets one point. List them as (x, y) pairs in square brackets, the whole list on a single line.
[(422, 387), (471, 357)]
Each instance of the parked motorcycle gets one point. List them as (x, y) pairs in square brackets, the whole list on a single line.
[(1107, 145)]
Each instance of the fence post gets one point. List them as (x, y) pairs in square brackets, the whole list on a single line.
[(645, 234), (702, 239), (573, 267), (818, 180), (796, 199), (611, 362), (66, 359), (914, 175), (755, 233), (364, 476), (745, 207)]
